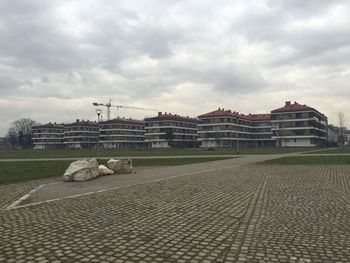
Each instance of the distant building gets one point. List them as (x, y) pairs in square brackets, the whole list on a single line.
[(346, 137), (48, 136), (4, 143), (171, 130), (122, 133), (296, 125), (332, 136), (293, 125), (261, 130), (230, 129), (81, 134)]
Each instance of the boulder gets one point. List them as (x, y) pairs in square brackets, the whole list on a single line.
[(103, 170), (120, 166), (81, 170)]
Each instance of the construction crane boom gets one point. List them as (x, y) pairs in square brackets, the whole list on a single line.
[(132, 107), (109, 105)]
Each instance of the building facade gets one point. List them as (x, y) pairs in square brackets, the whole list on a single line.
[(122, 133), (333, 136), (296, 125), (293, 125), (4, 143), (171, 130), (81, 134), (346, 137), (48, 136), (229, 129)]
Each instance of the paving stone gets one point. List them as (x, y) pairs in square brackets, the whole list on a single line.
[(252, 213)]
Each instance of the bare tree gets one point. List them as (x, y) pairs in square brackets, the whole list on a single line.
[(341, 129), (20, 133), (12, 138)]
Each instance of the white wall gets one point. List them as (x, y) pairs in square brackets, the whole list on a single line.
[(209, 144), (297, 143), (39, 147), (160, 145)]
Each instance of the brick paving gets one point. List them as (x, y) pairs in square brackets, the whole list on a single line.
[(250, 213), (9, 193)]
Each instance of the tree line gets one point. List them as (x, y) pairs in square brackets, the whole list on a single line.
[(20, 133)]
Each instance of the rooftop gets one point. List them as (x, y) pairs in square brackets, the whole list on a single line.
[(290, 107), (170, 116), (123, 120), (82, 123), (222, 112), (49, 125)]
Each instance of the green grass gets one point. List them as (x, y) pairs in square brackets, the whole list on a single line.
[(311, 160), (331, 151), (57, 153), (249, 151), (14, 172)]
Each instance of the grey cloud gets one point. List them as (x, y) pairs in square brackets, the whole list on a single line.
[(232, 47), (303, 8), (273, 26), (232, 78)]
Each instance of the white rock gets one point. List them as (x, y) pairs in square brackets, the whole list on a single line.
[(81, 170), (120, 166), (103, 170)]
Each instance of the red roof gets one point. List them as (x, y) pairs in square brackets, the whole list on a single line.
[(49, 125), (289, 107), (222, 113), (259, 117), (169, 116), (123, 120)]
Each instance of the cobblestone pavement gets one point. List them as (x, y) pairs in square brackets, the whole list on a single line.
[(251, 213), (142, 175), (10, 193)]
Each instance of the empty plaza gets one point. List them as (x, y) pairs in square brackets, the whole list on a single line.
[(233, 210)]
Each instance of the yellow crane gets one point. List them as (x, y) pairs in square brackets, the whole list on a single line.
[(109, 105)]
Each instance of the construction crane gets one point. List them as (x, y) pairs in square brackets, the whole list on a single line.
[(109, 105)]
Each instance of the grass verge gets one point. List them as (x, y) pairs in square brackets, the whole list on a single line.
[(14, 172), (311, 160), (58, 153), (331, 151)]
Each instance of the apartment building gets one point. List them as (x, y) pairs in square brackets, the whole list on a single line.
[(333, 133), (4, 143), (171, 130), (346, 137), (229, 129), (122, 133), (293, 125), (48, 136), (261, 130), (297, 125), (81, 134)]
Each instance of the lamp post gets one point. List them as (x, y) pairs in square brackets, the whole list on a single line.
[(98, 112)]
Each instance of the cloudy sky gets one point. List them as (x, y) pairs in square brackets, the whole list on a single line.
[(186, 56)]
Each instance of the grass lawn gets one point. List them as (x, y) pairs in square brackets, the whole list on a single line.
[(332, 151), (311, 160), (14, 172), (19, 154)]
